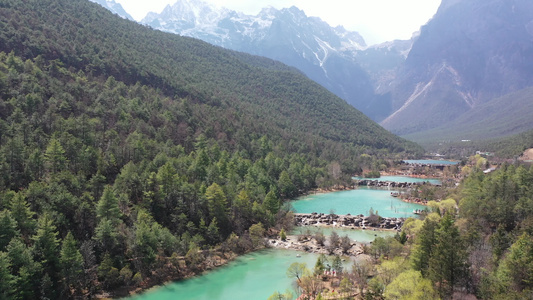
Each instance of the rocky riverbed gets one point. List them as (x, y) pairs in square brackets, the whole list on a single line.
[(309, 244), (389, 184), (349, 221)]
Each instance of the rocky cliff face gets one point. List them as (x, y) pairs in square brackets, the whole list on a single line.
[(469, 53)]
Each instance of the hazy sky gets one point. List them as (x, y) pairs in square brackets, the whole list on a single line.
[(376, 20)]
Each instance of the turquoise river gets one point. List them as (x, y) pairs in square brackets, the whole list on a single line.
[(259, 274), (356, 202)]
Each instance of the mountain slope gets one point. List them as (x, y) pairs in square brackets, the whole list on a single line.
[(129, 156), (326, 55), (502, 116), (188, 67), (512, 146), (468, 54)]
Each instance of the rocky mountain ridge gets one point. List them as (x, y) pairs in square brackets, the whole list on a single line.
[(331, 56), (115, 8), (470, 53)]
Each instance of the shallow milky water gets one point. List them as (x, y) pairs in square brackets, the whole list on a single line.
[(360, 236), (253, 276), (356, 202)]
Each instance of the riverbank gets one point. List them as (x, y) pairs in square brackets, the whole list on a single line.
[(329, 190), (415, 201), (175, 269)]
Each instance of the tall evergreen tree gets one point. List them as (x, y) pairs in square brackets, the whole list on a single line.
[(106, 235), (27, 270), (71, 264), (447, 264), (516, 269), (7, 282), (107, 207), (212, 233), (218, 207), (55, 156), (46, 251), (286, 186), (20, 210), (146, 241), (8, 228), (271, 202), (423, 247)]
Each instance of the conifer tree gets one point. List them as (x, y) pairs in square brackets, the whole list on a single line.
[(20, 210), (217, 205), (447, 264), (107, 207), (107, 273), (286, 186), (146, 240), (213, 235), (282, 235), (320, 265), (423, 248), (516, 269), (8, 229), (55, 156), (46, 250), (7, 282), (27, 270), (271, 202), (106, 235), (71, 263)]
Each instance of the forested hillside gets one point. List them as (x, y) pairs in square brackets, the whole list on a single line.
[(503, 147), (501, 117), (475, 244), (511, 147), (124, 150), (496, 222)]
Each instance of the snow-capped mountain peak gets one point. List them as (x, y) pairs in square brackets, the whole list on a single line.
[(335, 57), (114, 7), (231, 29), (325, 54), (189, 13)]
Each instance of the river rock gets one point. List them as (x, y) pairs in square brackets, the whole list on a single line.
[(345, 220)]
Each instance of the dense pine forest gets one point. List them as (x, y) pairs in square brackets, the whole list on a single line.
[(474, 243), (477, 243), (126, 154), (512, 146)]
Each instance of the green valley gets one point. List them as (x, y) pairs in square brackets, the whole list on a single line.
[(130, 156)]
